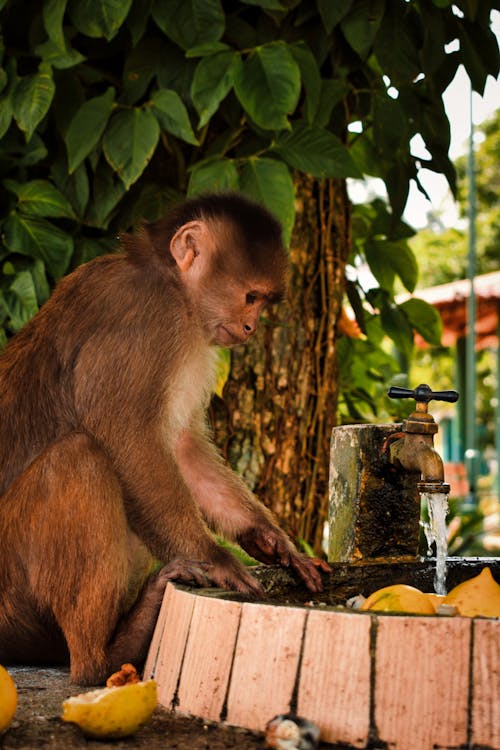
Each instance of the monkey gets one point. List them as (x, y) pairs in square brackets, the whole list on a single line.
[(107, 465)]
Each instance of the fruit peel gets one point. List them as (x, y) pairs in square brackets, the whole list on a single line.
[(399, 598), (476, 597), (8, 699), (112, 712)]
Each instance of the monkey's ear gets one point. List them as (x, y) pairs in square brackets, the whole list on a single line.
[(188, 243)]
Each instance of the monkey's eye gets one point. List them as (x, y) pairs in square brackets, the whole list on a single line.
[(251, 298)]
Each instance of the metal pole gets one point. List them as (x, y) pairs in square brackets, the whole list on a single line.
[(471, 453)]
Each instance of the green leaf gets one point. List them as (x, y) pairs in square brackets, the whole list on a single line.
[(174, 70), (434, 123), (74, 186), (53, 14), (32, 98), (315, 151), (99, 18), (87, 127), (397, 181), (390, 126), (38, 238), (41, 198), (172, 115), (5, 114), (108, 190), (397, 43), (269, 182), (267, 4), (425, 319), (213, 175), (379, 260), (212, 81), (39, 277), (137, 19), (333, 11), (129, 143), (360, 26), (24, 304), (267, 85), (311, 78), (34, 151), (60, 59), (88, 248), (190, 23), (396, 325), (140, 68), (207, 49), (473, 60), (386, 259), (332, 92)]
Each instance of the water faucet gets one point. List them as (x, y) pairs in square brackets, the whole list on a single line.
[(413, 448)]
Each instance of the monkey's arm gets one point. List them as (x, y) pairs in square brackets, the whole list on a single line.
[(230, 508), (162, 511)]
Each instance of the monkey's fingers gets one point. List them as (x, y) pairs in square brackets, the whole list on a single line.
[(236, 579), (307, 569), (186, 571), (321, 564)]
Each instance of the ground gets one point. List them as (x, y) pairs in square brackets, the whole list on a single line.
[(37, 724)]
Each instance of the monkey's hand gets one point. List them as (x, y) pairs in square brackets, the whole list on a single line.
[(228, 573), (269, 545), (185, 571)]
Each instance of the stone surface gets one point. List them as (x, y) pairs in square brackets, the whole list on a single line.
[(374, 508)]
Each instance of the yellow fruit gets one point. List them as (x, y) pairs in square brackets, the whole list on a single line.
[(436, 600), (399, 598), (112, 712), (479, 596), (8, 699)]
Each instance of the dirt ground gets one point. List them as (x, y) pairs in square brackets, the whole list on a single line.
[(37, 723)]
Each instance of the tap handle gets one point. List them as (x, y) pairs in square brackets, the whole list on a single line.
[(422, 393)]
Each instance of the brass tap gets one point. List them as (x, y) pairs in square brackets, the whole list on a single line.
[(413, 449)]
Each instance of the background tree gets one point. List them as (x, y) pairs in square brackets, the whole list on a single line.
[(111, 109)]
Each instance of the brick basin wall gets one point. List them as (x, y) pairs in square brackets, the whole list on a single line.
[(406, 682)]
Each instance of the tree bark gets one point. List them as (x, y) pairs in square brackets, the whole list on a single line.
[(280, 400)]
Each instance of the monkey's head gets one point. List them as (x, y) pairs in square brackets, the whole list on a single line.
[(230, 260)]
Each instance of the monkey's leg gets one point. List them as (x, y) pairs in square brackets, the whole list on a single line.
[(74, 564)]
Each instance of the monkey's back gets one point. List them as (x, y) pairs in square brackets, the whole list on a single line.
[(108, 314)]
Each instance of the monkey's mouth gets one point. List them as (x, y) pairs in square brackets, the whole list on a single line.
[(225, 337)]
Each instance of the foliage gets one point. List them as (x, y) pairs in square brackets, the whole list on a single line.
[(487, 183), (112, 109), (442, 252)]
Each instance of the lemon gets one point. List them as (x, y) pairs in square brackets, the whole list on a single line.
[(8, 699), (479, 596), (399, 598), (112, 712)]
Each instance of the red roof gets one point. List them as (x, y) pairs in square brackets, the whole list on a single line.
[(451, 301)]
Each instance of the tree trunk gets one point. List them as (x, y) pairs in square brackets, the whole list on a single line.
[(280, 400)]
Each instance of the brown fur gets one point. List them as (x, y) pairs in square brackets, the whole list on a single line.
[(104, 456)]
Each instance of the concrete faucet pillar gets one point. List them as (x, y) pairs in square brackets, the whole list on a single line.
[(374, 508)]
